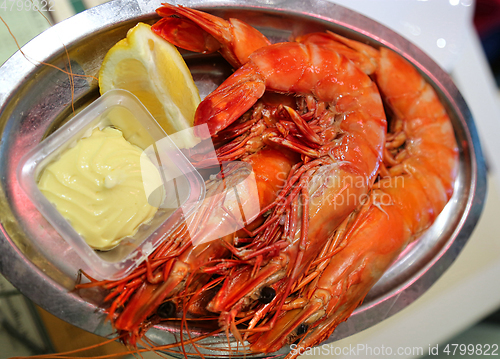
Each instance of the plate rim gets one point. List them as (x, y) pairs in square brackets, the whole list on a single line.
[(14, 265)]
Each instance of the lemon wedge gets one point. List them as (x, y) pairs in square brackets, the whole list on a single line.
[(154, 71)]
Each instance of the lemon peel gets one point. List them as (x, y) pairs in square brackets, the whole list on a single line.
[(155, 72)]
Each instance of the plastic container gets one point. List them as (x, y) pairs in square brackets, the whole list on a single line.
[(178, 194)]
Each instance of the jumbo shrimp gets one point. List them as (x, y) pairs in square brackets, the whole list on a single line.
[(341, 143), (422, 163)]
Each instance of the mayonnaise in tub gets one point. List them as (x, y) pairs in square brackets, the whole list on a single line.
[(116, 193), (98, 187)]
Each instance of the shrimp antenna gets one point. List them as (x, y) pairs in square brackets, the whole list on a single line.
[(35, 62)]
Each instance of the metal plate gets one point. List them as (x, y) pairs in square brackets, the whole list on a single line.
[(35, 99)]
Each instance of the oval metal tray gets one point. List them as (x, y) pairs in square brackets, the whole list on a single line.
[(35, 99)]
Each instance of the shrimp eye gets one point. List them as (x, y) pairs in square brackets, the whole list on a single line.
[(302, 329), (166, 310), (267, 294)]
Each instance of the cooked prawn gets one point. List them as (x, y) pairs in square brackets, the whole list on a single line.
[(400, 207), (346, 137)]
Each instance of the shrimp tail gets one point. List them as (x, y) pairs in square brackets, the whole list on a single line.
[(231, 100), (202, 32), (192, 39)]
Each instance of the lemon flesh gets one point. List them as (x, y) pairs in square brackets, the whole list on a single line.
[(154, 71)]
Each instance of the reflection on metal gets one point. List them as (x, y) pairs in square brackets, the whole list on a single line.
[(42, 266), (21, 329)]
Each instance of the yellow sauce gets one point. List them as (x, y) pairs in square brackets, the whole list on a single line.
[(97, 186)]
